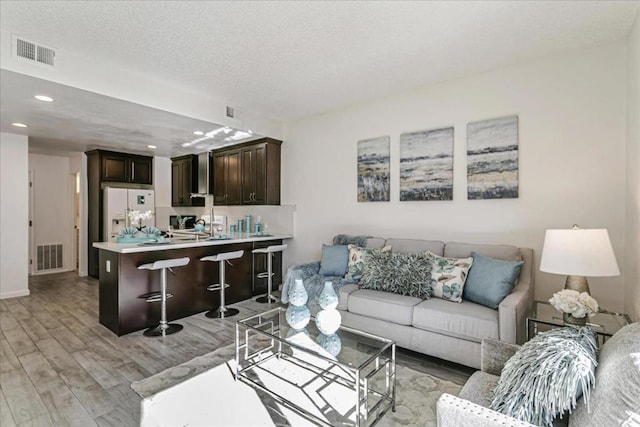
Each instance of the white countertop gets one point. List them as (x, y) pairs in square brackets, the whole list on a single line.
[(178, 243)]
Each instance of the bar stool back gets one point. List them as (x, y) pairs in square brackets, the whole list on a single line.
[(222, 258), (164, 328), (270, 250)]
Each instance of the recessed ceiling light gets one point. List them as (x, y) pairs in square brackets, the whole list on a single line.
[(43, 98), (198, 132), (153, 147), (19, 125)]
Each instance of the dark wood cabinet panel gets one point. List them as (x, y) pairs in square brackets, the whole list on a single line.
[(184, 181), (141, 170), (122, 167), (227, 178), (248, 174)]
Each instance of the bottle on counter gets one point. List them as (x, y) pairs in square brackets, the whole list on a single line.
[(247, 223), (241, 226)]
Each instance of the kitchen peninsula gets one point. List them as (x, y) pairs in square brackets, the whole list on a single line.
[(123, 287)]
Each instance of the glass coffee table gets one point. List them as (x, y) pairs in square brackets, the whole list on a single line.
[(347, 378)]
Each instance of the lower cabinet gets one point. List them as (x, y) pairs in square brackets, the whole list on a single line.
[(259, 285)]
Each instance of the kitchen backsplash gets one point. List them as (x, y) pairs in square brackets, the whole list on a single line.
[(275, 219)]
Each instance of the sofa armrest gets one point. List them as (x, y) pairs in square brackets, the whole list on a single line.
[(495, 354), (512, 313), (302, 271), (343, 295), (451, 411)]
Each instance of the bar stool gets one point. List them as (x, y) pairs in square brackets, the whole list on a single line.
[(163, 265), (222, 311), (270, 250)]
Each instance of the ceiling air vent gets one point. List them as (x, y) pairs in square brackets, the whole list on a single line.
[(34, 52)]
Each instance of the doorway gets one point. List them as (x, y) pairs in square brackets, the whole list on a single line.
[(32, 248), (74, 189)]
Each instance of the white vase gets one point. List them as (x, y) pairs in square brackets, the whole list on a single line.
[(298, 316), (298, 295), (328, 297), (328, 321)]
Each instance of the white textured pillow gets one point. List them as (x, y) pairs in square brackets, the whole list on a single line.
[(449, 276), (547, 375)]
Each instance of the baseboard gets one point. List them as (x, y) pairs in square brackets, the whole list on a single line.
[(14, 294)]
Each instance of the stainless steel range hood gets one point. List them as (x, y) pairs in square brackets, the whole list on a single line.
[(204, 162)]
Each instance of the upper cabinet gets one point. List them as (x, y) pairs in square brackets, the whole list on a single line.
[(121, 167), (184, 181), (248, 174)]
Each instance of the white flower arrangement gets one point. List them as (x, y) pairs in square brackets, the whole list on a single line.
[(575, 303), (137, 216)]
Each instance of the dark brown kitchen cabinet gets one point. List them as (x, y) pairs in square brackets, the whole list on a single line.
[(227, 178), (184, 181), (249, 174), (121, 167), (103, 169)]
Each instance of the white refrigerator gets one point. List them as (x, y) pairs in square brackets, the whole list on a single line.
[(117, 204)]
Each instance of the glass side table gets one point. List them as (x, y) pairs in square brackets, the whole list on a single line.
[(544, 316)]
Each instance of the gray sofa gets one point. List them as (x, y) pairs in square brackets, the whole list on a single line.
[(445, 329), (614, 401)]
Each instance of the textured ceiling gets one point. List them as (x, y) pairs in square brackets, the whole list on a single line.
[(289, 60)]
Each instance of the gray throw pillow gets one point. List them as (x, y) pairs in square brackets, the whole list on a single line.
[(490, 280), (547, 375), (334, 260), (403, 274)]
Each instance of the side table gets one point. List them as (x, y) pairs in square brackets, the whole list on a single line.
[(544, 316)]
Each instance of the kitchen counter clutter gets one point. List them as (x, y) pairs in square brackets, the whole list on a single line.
[(186, 242), (124, 289)]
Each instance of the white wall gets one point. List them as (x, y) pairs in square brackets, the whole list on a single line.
[(571, 112), (632, 232), (14, 212), (52, 206)]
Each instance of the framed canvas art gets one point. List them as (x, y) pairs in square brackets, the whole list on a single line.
[(374, 169), (492, 159), (426, 165)]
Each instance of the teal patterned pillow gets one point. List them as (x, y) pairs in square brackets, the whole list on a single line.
[(403, 274), (547, 375), (357, 256), (449, 275)]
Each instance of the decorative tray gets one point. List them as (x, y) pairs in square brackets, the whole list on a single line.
[(125, 239)]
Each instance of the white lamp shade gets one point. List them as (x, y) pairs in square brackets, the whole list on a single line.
[(579, 252)]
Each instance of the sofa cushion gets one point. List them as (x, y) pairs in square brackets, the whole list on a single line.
[(334, 260), (615, 401), (409, 246), (467, 320), (462, 250), (375, 242), (383, 305), (357, 257), (403, 274), (449, 276), (490, 280)]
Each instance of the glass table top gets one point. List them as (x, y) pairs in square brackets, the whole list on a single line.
[(605, 322)]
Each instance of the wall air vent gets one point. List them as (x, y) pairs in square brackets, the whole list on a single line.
[(48, 257), (33, 52), (231, 112)]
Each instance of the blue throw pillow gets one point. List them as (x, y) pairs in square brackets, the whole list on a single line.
[(490, 280), (334, 260)]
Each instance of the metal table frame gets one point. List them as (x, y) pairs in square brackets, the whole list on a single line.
[(261, 341)]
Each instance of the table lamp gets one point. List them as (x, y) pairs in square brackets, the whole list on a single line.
[(579, 254)]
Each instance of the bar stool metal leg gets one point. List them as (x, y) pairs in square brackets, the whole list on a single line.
[(268, 298), (222, 311)]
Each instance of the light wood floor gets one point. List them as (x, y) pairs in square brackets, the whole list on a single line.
[(59, 366)]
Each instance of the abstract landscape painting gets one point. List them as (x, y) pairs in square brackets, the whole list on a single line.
[(426, 165), (373, 170), (492, 159)]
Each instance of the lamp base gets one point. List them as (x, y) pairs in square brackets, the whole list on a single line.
[(577, 283)]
